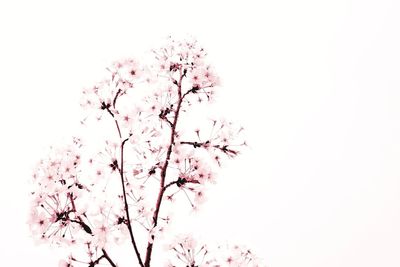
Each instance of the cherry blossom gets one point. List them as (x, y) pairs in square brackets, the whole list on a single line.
[(185, 249), (97, 193)]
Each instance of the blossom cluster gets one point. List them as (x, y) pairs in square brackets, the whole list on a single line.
[(188, 251), (95, 196)]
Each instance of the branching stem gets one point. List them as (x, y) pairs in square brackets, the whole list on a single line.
[(108, 258), (165, 166), (121, 172)]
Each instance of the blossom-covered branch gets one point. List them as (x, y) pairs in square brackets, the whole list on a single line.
[(98, 191)]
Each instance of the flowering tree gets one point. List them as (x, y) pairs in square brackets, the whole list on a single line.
[(151, 161)]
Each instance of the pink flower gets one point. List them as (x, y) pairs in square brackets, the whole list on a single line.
[(93, 197), (64, 263), (130, 71), (199, 197), (38, 222), (101, 233)]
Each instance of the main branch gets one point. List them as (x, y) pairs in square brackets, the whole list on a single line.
[(164, 168)]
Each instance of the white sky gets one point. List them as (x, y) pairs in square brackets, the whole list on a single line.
[(316, 83)]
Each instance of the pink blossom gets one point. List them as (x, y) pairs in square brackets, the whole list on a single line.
[(64, 263), (100, 193)]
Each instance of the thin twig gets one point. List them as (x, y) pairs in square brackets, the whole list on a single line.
[(222, 148), (97, 261), (121, 172), (128, 223), (108, 258)]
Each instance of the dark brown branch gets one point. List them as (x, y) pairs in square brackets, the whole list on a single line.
[(223, 148), (107, 107), (165, 166), (164, 113), (194, 144), (128, 222), (108, 258), (169, 122), (116, 96), (97, 261), (112, 115), (85, 227), (195, 89), (104, 256), (181, 182), (170, 184), (121, 172)]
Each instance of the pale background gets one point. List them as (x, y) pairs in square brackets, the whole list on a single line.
[(316, 83)]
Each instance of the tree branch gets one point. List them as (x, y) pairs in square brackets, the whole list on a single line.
[(171, 183), (165, 166), (116, 96), (196, 89), (85, 227), (116, 122), (97, 261), (121, 172), (223, 148), (108, 258), (128, 223), (105, 255)]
